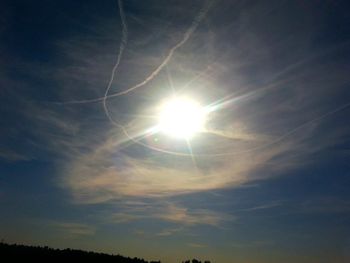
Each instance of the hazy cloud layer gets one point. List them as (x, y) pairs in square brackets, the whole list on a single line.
[(281, 95)]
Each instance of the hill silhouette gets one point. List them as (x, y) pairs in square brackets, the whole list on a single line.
[(23, 253)]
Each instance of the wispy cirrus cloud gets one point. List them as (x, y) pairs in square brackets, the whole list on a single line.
[(172, 213), (72, 229), (169, 232), (196, 245), (251, 138), (11, 156), (264, 206), (322, 205), (104, 174)]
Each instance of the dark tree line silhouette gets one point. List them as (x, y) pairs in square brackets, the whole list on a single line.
[(22, 253)]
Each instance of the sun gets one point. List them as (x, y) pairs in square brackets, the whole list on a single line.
[(181, 118)]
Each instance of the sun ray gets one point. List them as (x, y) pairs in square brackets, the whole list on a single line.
[(189, 147)]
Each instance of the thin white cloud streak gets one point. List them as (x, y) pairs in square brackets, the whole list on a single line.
[(12, 156), (73, 230), (170, 212), (202, 13), (232, 134), (121, 50), (256, 243), (198, 217), (320, 205), (263, 207), (196, 245), (169, 232)]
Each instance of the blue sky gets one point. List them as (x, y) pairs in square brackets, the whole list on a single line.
[(268, 178)]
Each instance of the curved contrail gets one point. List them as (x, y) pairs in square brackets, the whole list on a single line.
[(202, 13), (123, 43), (186, 36)]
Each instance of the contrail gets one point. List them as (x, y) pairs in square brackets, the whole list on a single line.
[(202, 13), (123, 43), (187, 35)]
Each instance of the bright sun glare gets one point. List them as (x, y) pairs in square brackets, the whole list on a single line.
[(181, 118)]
